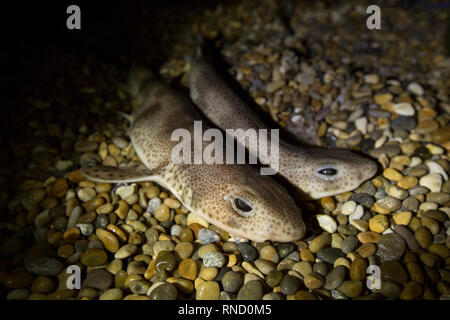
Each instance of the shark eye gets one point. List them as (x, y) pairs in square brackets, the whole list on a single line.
[(242, 205), (328, 171)]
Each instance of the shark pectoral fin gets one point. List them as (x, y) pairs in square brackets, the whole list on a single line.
[(133, 173)]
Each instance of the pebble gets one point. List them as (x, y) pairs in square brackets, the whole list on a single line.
[(86, 194), (289, 285), (330, 255), (93, 257), (351, 288), (396, 192), (274, 278), (165, 291), (214, 259), (386, 205), (327, 223), (403, 218), (320, 242), (379, 223), (42, 284), (165, 261), (364, 199), (313, 281), (349, 244), (248, 252), (391, 246), (415, 88), (98, 279), (18, 294), (404, 109), (335, 277), (112, 294), (349, 207), (393, 271), (206, 236), (392, 174), (411, 291), (432, 181), (390, 289), (423, 237), (407, 235), (43, 266), (264, 266), (252, 290), (208, 290), (358, 269), (108, 239), (125, 251), (404, 123), (232, 281)]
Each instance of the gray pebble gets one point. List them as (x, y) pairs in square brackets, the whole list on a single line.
[(86, 229), (390, 247), (330, 255), (206, 236), (232, 281), (214, 259), (349, 244), (248, 252), (252, 290), (364, 199), (153, 204), (335, 278), (43, 266), (98, 279), (289, 285), (404, 123)]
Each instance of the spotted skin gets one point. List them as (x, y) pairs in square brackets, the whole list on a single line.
[(300, 166), (207, 190)]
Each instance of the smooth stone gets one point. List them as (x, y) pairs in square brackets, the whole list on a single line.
[(423, 237), (390, 289), (364, 199), (330, 255), (248, 252), (214, 259), (112, 294), (98, 279), (165, 291), (351, 288), (335, 278), (407, 235), (232, 281), (411, 204), (274, 278), (358, 269), (393, 271), (206, 236), (208, 290), (349, 244), (411, 291), (438, 197), (285, 249), (264, 266), (93, 257), (432, 181), (43, 266), (404, 123), (289, 285), (366, 188), (252, 290), (327, 223), (165, 261), (387, 204), (390, 247), (313, 281), (320, 242)]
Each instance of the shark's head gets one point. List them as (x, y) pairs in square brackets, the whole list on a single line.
[(246, 204), (326, 172)]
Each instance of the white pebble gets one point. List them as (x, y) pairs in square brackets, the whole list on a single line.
[(432, 181), (355, 115), (404, 109), (361, 125), (126, 191), (327, 223), (74, 215), (380, 141), (357, 214), (63, 164), (425, 206), (415, 161), (86, 194), (415, 88), (349, 207), (434, 167)]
